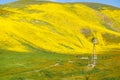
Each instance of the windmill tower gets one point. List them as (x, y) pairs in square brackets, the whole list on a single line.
[(93, 60), (94, 56)]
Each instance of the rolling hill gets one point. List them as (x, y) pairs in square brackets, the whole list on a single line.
[(37, 39), (58, 27)]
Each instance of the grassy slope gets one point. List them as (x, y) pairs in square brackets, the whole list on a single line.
[(39, 66)]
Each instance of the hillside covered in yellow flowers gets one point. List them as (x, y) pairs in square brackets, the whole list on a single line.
[(58, 27)]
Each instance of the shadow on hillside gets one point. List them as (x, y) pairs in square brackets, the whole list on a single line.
[(29, 46), (9, 51)]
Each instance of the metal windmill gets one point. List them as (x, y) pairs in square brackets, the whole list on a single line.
[(94, 57)]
